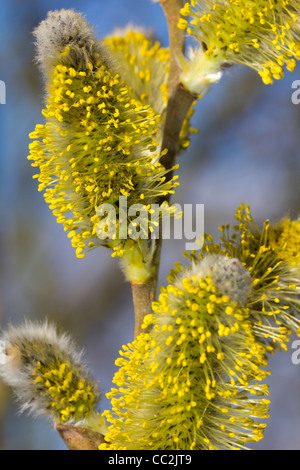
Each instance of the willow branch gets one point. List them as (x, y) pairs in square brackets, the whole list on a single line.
[(143, 295), (179, 103), (179, 99)]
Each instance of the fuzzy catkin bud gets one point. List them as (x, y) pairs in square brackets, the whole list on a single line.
[(65, 37), (228, 275), (193, 381), (46, 373)]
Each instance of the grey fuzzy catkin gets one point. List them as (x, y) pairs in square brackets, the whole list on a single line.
[(22, 347), (229, 276), (61, 29)]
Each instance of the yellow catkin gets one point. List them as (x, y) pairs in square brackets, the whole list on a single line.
[(271, 256), (182, 396), (99, 143), (46, 373), (262, 35)]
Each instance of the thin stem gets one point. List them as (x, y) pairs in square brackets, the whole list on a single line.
[(176, 39), (179, 103), (179, 99), (143, 295)]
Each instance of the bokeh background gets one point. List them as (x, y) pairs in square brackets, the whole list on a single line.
[(247, 151)]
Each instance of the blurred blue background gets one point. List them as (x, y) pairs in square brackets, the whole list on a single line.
[(247, 151)]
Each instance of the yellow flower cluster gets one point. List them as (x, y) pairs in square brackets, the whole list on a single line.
[(142, 63), (68, 395), (269, 256), (193, 381), (261, 34), (98, 143), (284, 239), (145, 65)]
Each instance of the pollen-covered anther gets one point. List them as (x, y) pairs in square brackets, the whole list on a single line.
[(284, 239)]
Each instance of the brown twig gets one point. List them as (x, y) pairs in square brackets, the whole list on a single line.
[(179, 100), (171, 9), (79, 438), (143, 295)]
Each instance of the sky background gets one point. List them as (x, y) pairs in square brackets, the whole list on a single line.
[(247, 151)]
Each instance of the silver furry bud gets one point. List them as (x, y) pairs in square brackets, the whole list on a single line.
[(65, 37)]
